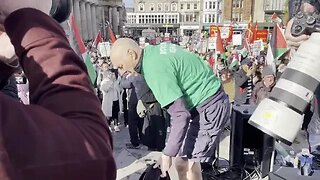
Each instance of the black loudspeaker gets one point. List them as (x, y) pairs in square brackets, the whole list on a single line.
[(153, 174), (249, 147)]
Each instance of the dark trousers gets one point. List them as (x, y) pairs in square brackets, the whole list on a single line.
[(155, 132), (155, 128), (125, 108), (115, 114), (135, 127)]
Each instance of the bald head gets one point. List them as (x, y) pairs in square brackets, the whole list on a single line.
[(125, 54)]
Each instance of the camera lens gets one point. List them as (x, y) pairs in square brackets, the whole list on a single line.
[(297, 29), (299, 15), (311, 20)]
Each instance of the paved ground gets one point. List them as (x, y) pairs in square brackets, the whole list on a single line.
[(131, 163)]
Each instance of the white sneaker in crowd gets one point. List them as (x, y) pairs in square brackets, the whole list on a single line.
[(116, 128)]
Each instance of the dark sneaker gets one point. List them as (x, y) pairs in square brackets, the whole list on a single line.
[(131, 146), (60, 10), (154, 149)]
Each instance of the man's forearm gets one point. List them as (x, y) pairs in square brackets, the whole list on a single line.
[(52, 66), (179, 126)]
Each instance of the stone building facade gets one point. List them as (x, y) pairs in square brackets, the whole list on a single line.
[(93, 16), (160, 15)]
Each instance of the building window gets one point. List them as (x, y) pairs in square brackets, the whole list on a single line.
[(213, 5), (195, 6), (195, 18), (174, 7), (210, 4), (237, 4), (237, 17), (188, 5), (152, 7), (166, 7), (160, 7), (206, 5), (181, 6), (141, 7)]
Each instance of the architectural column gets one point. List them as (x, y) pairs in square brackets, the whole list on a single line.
[(103, 21), (83, 20), (121, 20), (115, 20), (110, 15), (89, 21), (99, 15), (94, 20), (77, 14)]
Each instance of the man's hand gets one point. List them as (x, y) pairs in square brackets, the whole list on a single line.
[(250, 71), (164, 163), (9, 6), (295, 42), (7, 53)]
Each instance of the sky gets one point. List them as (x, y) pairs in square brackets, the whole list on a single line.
[(129, 3)]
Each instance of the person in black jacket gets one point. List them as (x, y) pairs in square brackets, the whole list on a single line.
[(153, 128), (244, 82)]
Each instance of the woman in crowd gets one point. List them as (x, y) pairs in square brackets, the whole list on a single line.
[(109, 84)]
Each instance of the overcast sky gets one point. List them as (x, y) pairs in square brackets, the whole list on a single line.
[(129, 3)]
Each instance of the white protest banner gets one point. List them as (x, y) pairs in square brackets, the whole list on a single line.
[(224, 31), (237, 38), (204, 46), (212, 43), (104, 49), (142, 41), (256, 47), (260, 43)]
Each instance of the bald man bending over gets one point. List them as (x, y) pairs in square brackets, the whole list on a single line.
[(188, 89)]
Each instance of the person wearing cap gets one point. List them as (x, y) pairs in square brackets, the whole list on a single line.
[(61, 135), (243, 82), (263, 88)]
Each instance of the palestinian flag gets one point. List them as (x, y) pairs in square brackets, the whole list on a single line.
[(80, 48), (219, 43), (229, 39), (97, 40), (276, 47), (254, 32), (111, 34), (249, 33), (275, 18), (235, 61)]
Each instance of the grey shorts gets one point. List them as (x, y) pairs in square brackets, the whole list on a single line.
[(204, 128)]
